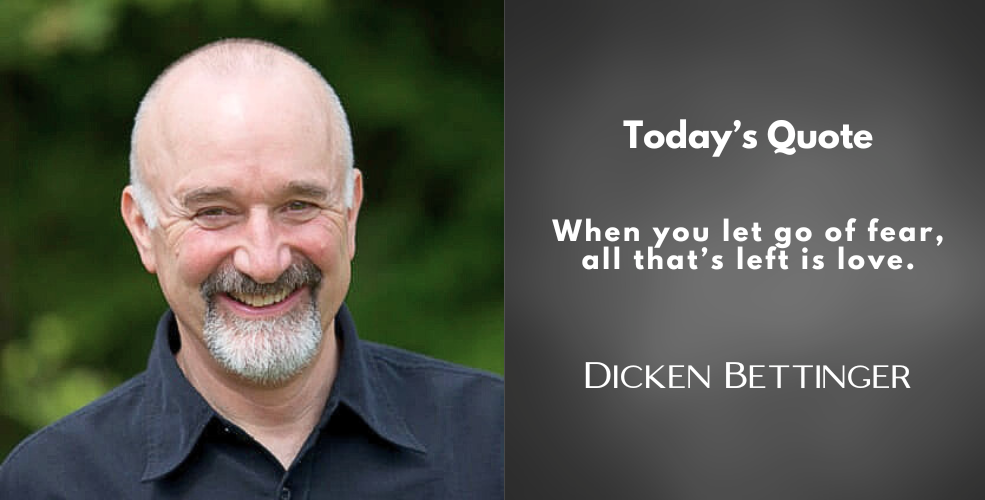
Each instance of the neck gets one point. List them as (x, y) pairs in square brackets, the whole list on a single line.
[(280, 417)]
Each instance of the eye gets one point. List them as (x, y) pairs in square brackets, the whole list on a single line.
[(299, 210), (212, 212), (214, 217), (299, 206)]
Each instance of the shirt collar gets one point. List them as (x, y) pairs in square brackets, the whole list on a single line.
[(358, 386), (176, 414)]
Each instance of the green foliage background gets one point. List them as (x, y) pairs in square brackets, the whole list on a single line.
[(422, 84)]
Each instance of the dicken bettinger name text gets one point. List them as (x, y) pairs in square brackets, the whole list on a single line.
[(742, 376)]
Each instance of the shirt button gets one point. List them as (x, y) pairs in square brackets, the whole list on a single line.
[(285, 493)]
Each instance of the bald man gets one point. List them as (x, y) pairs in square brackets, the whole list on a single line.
[(243, 201)]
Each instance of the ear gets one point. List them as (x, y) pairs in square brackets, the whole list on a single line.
[(353, 212), (139, 230)]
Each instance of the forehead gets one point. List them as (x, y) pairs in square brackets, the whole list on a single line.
[(242, 129)]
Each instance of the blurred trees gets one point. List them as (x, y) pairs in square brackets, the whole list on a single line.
[(422, 84)]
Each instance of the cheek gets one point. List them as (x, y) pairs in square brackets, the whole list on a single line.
[(322, 251), (198, 255), (324, 245)]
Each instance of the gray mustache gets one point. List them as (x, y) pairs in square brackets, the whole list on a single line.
[(228, 280)]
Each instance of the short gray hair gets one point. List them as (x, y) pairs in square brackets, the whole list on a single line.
[(232, 55)]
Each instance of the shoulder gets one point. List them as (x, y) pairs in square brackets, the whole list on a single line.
[(455, 411), (440, 400), (415, 381), (100, 434), (439, 378)]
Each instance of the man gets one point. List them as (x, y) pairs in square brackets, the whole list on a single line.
[(244, 201)]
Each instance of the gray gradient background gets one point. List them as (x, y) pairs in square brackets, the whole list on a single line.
[(913, 78)]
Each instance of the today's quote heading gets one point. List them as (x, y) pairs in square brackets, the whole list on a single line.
[(781, 135)]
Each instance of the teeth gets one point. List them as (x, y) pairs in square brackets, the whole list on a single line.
[(260, 300)]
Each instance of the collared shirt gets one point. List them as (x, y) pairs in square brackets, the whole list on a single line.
[(396, 425)]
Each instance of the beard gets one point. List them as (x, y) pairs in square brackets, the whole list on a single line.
[(266, 351)]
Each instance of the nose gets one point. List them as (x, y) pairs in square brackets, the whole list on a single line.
[(261, 254)]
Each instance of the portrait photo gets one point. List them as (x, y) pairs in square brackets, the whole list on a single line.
[(183, 309)]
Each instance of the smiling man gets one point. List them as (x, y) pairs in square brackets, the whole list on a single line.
[(243, 201)]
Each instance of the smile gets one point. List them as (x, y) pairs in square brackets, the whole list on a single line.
[(262, 305), (260, 300)]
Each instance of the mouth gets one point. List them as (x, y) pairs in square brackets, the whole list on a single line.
[(238, 294), (262, 304), (255, 300)]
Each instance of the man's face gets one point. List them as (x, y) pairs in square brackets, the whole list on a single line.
[(254, 241)]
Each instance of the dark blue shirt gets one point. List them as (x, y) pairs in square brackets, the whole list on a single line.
[(396, 425)]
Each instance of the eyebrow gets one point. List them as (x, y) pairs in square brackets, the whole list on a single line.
[(295, 188), (306, 190), (205, 195)]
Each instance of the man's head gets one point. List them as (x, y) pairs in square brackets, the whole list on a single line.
[(243, 200)]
